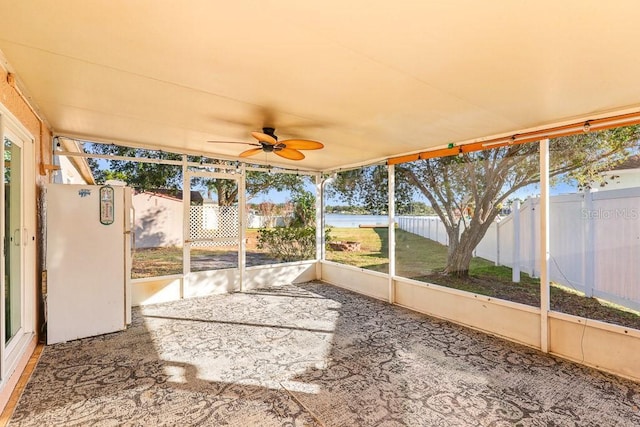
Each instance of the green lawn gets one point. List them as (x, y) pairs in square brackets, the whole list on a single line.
[(415, 255), (373, 248), (153, 262)]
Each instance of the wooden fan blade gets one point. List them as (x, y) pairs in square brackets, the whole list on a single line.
[(235, 142), (250, 152), (302, 144), (263, 137), (289, 153)]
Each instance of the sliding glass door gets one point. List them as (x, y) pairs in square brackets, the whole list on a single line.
[(18, 228), (13, 237)]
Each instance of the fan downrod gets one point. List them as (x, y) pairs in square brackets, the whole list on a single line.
[(270, 131)]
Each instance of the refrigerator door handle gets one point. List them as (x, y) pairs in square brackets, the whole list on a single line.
[(132, 229)]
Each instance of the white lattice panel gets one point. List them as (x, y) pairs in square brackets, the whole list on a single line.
[(211, 225)]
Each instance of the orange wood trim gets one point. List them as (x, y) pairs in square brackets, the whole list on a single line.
[(522, 138), (403, 159)]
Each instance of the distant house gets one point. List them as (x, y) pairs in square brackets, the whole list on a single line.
[(624, 175), (159, 217)]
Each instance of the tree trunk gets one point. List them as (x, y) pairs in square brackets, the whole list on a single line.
[(458, 263), (461, 247)]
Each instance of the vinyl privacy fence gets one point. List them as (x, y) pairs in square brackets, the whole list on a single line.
[(594, 242)]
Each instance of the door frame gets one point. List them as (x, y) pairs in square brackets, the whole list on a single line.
[(11, 354)]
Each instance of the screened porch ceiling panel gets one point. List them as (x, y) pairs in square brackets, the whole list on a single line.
[(370, 79)]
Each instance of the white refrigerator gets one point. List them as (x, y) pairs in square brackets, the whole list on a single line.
[(88, 260)]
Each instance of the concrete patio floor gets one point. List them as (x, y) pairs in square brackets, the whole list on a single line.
[(312, 355)]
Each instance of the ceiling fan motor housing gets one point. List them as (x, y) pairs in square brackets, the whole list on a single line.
[(266, 147)]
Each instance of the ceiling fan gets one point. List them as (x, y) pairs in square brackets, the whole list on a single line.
[(268, 143)]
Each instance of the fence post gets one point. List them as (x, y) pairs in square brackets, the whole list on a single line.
[(498, 242), (515, 268), (588, 255)]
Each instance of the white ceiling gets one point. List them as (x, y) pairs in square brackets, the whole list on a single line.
[(368, 78)]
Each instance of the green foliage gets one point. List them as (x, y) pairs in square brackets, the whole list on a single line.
[(304, 209), (149, 176), (367, 188), (417, 208), (583, 158), (261, 182), (111, 175), (297, 241), (288, 243), (409, 208), (144, 176), (346, 209)]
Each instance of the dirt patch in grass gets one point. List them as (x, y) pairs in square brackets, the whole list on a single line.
[(571, 302), (523, 293)]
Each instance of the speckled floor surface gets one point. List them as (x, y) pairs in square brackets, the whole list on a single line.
[(311, 355)]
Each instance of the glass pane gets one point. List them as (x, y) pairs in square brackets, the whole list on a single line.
[(281, 218), (158, 233), (214, 232), (13, 238), (462, 222), (594, 226), (356, 217)]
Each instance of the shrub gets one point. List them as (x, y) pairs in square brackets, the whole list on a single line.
[(288, 243), (297, 241)]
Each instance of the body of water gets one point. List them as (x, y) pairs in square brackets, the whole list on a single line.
[(351, 221)]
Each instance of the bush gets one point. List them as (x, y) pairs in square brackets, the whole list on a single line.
[(297, 241), (288, 243)]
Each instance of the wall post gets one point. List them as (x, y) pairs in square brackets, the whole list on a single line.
[(392, 231), (544, 245)]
